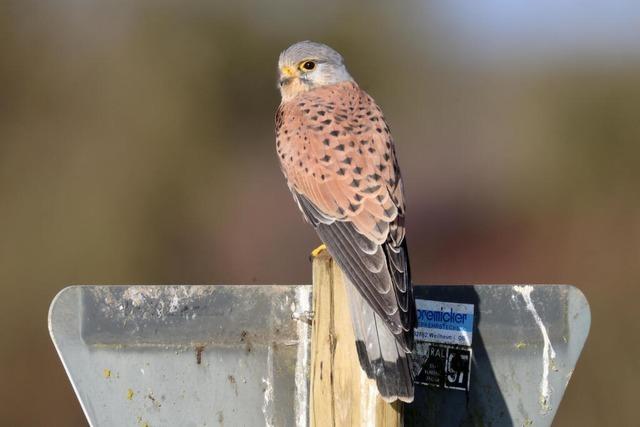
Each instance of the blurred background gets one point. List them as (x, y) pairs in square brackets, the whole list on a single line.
[(137, 146)]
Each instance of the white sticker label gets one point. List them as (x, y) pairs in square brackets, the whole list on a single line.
[(444, 322)]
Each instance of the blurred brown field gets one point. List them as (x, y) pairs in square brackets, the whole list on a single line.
[(136, 146)]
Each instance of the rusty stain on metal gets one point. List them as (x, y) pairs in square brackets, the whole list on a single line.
[(233, 382), (154, 400), (199, 350), (244, 337)]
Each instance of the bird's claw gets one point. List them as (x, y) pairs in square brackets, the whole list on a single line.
[(317, 251)]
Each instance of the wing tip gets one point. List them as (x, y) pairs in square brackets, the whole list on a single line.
[(402, 398)]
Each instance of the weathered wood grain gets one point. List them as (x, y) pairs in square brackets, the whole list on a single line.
[(341, 394)]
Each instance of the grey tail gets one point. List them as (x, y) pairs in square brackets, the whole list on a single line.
[(381, 357)]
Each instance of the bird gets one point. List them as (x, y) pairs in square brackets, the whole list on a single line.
[(338, 158)]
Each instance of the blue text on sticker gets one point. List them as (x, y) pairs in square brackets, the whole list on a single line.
[(449, 320), (444, 322)]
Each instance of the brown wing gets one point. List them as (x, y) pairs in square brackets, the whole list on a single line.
[(338, 156)]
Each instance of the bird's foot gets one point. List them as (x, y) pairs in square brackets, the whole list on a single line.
[(317, 251)]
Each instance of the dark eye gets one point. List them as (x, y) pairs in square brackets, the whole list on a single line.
[(308, 65)]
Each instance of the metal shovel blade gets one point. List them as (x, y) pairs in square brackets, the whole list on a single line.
[(185, 355), (239, 355)]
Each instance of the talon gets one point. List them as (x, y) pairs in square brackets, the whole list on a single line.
[(317, 251)]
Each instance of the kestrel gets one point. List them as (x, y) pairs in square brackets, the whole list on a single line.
[(338, 158)]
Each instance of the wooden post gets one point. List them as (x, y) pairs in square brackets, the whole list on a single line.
[(341, 394)]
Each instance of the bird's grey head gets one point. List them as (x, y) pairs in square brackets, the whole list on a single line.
[(307, 65)]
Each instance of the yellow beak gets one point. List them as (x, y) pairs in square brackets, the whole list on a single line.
[(288, 71), (287, 74)]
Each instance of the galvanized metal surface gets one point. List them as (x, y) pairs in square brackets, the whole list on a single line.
[(185, 355), (238, 355), (526, 342)]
